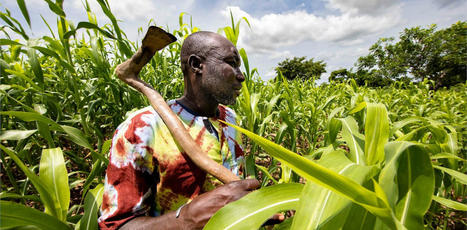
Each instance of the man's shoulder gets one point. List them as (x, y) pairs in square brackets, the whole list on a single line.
[(144, 115)]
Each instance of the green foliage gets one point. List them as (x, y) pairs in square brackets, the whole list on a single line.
[(364, 78), (16, 215), (421, 53), (252, 210), (341, 74), (379, 155), (299, 68), (92, 202), (399, 197)]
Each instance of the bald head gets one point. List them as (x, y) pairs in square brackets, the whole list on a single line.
[(202, 44), (211, 70)]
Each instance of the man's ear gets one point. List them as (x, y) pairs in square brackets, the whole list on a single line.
[(195, 64)]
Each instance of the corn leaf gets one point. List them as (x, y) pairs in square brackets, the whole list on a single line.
[(36, 67), (355, 141), (49, 201), (24, 11), (334, 126), (15, 215), (8, 42), (74, 134), (411, 167), (53, 173), (318, 205), (326, 178), (87, 25), (246, 64), (460, 177), (6, 195), (16, 134), (92, 203), (253, 209), (96, 167), (358, 108), (359, 219), (55, 8), (400, 124), (446, 156), (376, 133), (450, 203), (266, 173)]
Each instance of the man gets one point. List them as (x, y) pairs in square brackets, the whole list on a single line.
[(149, 176)]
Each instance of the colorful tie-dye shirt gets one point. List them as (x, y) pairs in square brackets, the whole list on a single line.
[(149, 174)]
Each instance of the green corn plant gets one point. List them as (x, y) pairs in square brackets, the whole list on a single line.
[(395, 185), (59, 91), (54, 191)]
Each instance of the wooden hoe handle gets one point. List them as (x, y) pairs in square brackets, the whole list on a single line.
[(156, 39)]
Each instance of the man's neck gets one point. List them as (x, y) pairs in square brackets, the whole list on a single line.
[(200, 107)]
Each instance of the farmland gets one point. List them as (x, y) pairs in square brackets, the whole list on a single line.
[(390, 157)]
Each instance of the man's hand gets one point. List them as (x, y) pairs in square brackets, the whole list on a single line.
[(197, 213), (154, 40)]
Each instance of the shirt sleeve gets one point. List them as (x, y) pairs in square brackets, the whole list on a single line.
[(130, 184)]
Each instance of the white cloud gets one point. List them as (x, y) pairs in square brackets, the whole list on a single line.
[(125, 10), (140, 11), (272, 31), (269, 75), (280, 54), (371, 7), (448, 3)]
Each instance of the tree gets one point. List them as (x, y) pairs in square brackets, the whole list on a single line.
[(361, 77), (422, 54), (300, 68), (341, 75)]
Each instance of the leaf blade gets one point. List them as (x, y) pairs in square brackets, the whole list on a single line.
[(16, 215), (16, 134), (376, 133), (53, 173), (91, 205), (253, 209)]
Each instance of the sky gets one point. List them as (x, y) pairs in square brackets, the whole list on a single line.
[(334, 31)]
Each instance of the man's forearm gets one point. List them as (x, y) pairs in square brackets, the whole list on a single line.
[(197, 213), (167, 221)]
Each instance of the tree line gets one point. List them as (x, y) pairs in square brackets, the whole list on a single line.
[(418, 54)]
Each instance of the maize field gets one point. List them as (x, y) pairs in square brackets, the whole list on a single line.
[(329, 156)]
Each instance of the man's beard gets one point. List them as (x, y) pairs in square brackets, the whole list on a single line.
[(223, 98)]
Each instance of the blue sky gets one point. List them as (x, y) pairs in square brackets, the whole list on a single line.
[(335, 31)]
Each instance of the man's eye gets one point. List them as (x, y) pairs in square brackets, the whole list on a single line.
[(232, 63)]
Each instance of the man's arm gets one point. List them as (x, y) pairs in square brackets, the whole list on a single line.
[(198, 212)]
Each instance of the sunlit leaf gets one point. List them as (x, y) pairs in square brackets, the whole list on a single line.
[(325, 177), (450, 203), (24, 11), (411, 167), (92, 203), (317, 204), (376, 133), (16, 134), (460, 177), (53, 173), (48, 199), (17, 215), (355, 141), (255, 208)]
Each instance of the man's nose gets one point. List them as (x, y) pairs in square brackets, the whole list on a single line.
[(239, 75)]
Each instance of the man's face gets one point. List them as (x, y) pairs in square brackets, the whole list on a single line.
[(222, 76)]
